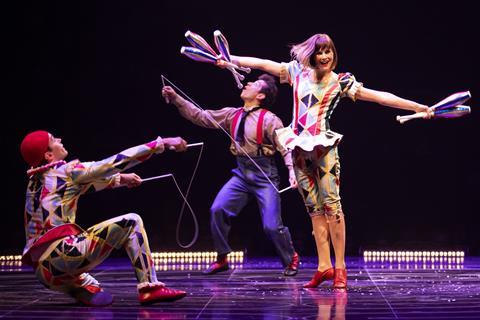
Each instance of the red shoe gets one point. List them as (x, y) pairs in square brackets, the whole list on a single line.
[(319, 277), (218, 266), (292, 268), (149, 293), (340, 281), (92, 296)]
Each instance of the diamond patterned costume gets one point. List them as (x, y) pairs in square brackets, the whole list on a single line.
[(315, 156), (60, 251)]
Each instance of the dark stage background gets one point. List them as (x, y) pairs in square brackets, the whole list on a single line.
[(90, 73)]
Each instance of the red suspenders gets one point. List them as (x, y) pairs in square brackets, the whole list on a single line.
[(260, 127), (233, 127)]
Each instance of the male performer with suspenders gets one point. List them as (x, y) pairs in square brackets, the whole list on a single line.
[(253, 129)]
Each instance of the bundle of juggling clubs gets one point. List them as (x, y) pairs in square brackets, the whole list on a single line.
[(203, 52), (450, 107)]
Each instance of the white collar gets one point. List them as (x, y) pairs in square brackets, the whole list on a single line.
[(250, 108)]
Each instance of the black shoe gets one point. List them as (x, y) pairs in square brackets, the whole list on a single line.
[(292, 268), (217, 267)]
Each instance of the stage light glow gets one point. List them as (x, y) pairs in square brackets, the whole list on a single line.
[(411, 254), (409, 259)]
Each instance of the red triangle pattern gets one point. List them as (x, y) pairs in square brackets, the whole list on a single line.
[(45, 192), (151, 144), (311, 182), (79, 166), (303, 119), (92, 246), (46, 275), (312, 129), (106, 247)]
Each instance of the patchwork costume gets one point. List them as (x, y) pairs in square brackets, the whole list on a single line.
[(254, 129), (314, 145), (61, 252)]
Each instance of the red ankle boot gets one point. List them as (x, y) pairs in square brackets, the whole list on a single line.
[(319, 277), (340, 280), (149, 293)]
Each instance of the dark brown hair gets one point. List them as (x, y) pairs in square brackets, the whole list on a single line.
[(269, 89)]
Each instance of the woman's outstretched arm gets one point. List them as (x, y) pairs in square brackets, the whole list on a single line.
[(390, 100), (266, 65)]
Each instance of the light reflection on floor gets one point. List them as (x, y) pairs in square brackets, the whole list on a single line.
[(257, 289)]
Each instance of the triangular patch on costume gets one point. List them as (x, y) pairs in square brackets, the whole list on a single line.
[(45, 192), (303, 119), (312, 129)]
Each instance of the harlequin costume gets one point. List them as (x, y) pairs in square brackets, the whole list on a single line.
[(60, 251), (256, 136), (314, 145)]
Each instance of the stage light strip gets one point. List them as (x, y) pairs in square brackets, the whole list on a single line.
[(414, 259), (413, 254), (198, 256), (194, 258), (11, 258), (449, 260)]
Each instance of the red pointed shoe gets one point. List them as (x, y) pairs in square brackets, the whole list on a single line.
[(319, 277), (149, 293), (340, 280)]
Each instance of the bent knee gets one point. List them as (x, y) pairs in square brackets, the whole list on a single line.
[(217, 209), (134, 218)]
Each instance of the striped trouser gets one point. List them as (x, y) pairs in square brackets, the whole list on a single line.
[(63, 266)]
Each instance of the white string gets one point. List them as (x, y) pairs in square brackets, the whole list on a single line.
[(225, 131), (185, 201), (177, 233)]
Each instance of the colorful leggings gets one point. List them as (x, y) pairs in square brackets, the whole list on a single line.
[(63, 266), (318, 177)]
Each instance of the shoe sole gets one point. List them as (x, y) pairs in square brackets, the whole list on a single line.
[(170, 299)]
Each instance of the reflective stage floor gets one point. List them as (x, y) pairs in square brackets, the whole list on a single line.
[(256, 289)]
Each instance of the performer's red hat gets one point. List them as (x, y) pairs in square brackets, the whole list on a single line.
[(34, 146)]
